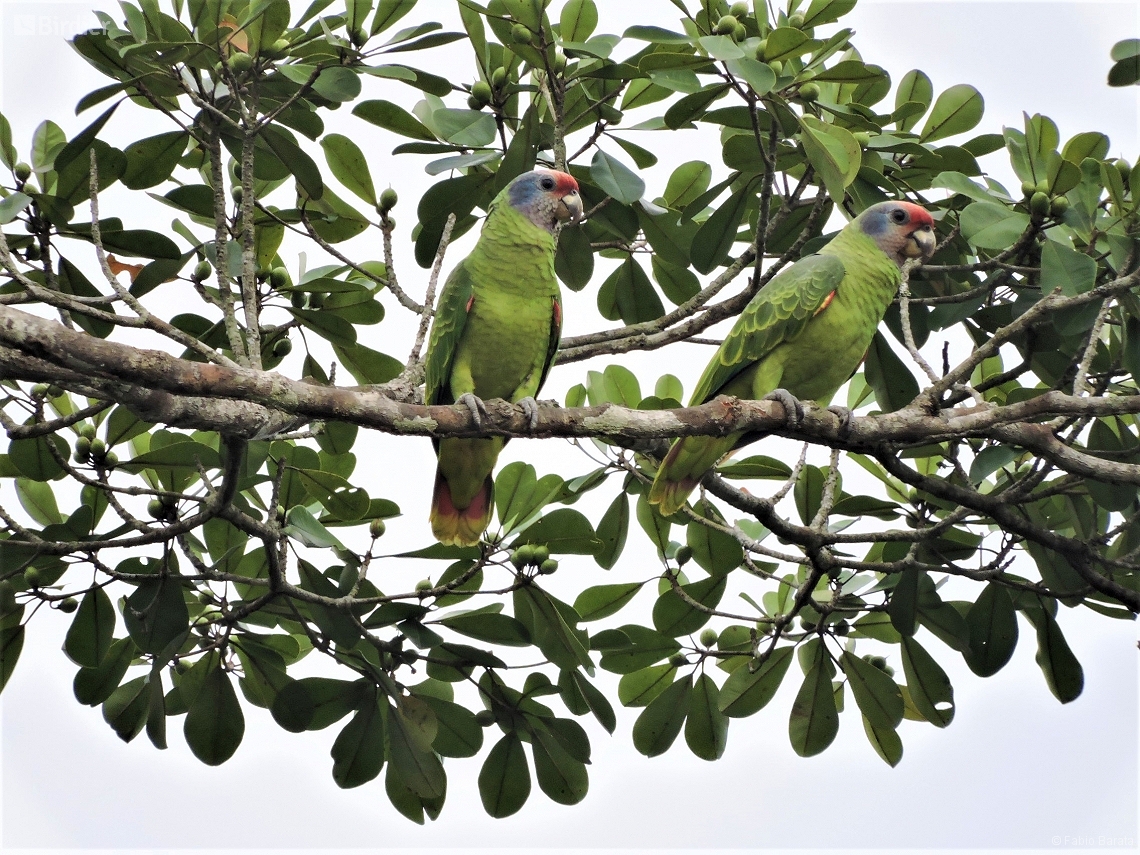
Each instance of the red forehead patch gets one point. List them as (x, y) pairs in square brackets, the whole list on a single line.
[(918, 214), (564, 182)]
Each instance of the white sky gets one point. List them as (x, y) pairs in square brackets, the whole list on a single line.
[(1014, 770)]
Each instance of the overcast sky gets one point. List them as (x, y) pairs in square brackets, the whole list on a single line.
[(1014, 770)]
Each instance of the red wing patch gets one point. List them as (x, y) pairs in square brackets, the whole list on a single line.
[(471, 302), (557, 313), (826, 302)]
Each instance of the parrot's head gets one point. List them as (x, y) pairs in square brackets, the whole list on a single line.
[(902, 230), (545, 197)]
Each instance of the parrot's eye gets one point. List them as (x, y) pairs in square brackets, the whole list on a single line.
[(898, 215), (546, 183)]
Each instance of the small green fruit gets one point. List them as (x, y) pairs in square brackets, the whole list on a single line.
[(684, 555), (83, 447), (156, 508), (388, 199), (841, 628), (278, 49), (236, 193), (879, 662), (1123, 167), (316, 300), (484, 718), (79, 457), (776, 66), (1058, 206), (87, 430), (525, 553), (1039, 204), (279, 278), (22, 171), (678, 659), (809, 92), (1028, 188), (708, 637), (297, 299), (498, 77), (98, 447), (282, 348), (760, 49), (1043, 186), (68, 606), (358, 37), (740, 33), (182, 666), (726, 25), (739, 10), (481, 92), (206, 598), (520, 35), (548, 566), (32, 577), (474, 103), (54, 391), (376, 528), (559, 64), (33, 252), (806, 625), (796, 20), (202, 270), (541, 553), (110, 460), (40, 390), (240, 63), (423, 586), (862, 137)]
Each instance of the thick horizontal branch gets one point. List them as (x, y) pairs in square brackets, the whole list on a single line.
[(244, 402)]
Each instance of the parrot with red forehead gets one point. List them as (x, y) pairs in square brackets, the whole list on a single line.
[(803, 334), (494, 335)]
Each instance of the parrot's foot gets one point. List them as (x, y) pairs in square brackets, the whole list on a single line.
[(845, 415), (793, 409), (530, 410), (475, 405)]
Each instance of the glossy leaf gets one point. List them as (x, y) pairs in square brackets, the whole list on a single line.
[(358, 752), (706, 728), (814, 721), (746, 692), (992, 623), (90, 635), (930, 688), (877, 695), (215, 724), (660, 722), (504, 780)]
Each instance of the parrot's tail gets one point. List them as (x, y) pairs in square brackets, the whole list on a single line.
[(684, 467), (454, 526)]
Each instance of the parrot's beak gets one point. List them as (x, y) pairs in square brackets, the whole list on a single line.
[(569, 207), (920, 244)]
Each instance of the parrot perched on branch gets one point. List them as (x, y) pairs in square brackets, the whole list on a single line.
[(494, 335), (803, 335)]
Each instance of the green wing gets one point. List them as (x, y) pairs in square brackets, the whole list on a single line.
[(552, 344), (777, 314), (447, 328)]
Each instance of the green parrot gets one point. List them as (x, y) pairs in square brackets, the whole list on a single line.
[(494, 335), (803, 335)]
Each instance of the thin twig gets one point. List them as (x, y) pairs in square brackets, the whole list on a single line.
[(429, 297)]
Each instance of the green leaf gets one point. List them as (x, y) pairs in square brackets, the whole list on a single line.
[(92, 686), (296, 160), (833, 151), (504, 779), (574, 260), (337, 84), (612, 531), (470, 128), (673, 616), (706, 728), (1071, 271), (38, 500), (459, 734), (597, 702), (578, 20), (92, 629), (894, 385), (214, 725), (1063, 673), (758, 75), (156, 614), (150, 161), (358, 752), (992, 623), (715, 237), (629, 296), (565, 531), (929, 687), (903, 607), (957, 110), (367, 366), (491, 628), (562, 777), (349, 165), (885, 741), (686, 183), (314, 703), (49, 136), (814, 720), (602, 601), (127, 708), (388, 12), (660, 722), (34, 459), (746, 692), (616, 179), (548, 627), (826, 11), (11, 643), (641, 688), (877, 695), (12, 206), (640, 648), (717, 552)]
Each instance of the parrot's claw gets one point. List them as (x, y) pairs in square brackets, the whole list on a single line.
[(844, 414), (793, 409), (530, 410), (475, 405)]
